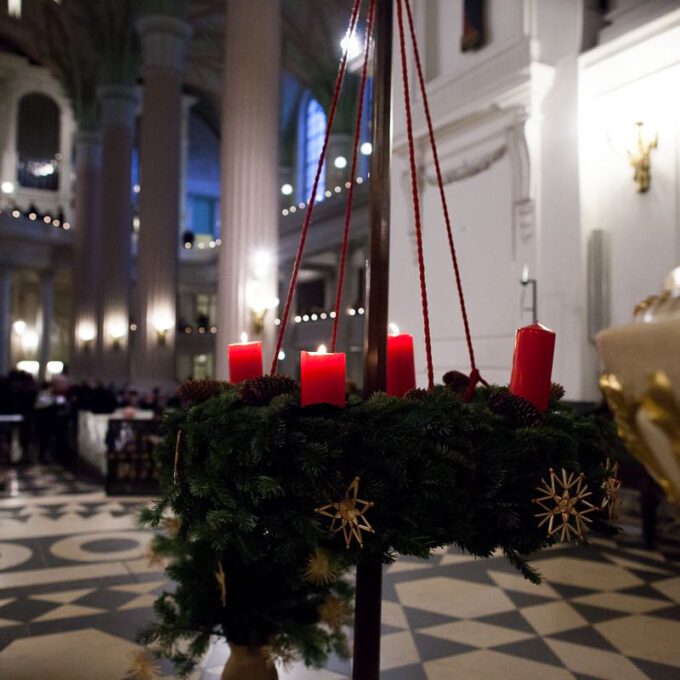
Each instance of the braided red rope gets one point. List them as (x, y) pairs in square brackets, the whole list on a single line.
[(312, 200), (475, 377), (416, 198), (352, 174)]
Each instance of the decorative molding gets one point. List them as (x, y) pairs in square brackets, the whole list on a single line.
[(632, 56), (524, 207), (119, 104), (164, 40), (466, 170), (496, 81), (621, 20)]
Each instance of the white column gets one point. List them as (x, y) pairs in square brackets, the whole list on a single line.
[(249, 157), (87, 255), (561, 273), (46, 316), (119, 106), (164, 40), (5, 320)]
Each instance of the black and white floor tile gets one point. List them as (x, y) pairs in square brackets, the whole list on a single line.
[(75, 586)]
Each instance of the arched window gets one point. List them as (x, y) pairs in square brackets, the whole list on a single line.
[(38, 142), (312, 133)]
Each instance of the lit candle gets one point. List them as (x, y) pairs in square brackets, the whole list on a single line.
[(322, 378), (532, 364), (401, 368), (245, 360)]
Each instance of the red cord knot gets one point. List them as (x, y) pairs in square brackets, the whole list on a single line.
[(475, 378)]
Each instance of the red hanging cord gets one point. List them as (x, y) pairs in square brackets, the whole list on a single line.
[(416, 198), (475, 377), (352, 174), (312, 200)]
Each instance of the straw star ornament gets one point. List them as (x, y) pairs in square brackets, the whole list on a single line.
[(221, 579), (611, 486), (565, 505), (348, 515)]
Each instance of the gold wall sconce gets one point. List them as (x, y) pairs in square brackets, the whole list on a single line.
[(639, 157), (117, 330), (163, 324), (259, 298), (87, 333)]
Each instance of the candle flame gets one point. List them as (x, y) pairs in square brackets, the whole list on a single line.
[(322, 350), (525, 273), (394, 329), (244, 337)]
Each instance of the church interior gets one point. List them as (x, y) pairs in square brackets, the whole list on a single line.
[(339, 339)]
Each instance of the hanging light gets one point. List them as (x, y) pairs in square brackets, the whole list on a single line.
[(14, 8), (352, 46)]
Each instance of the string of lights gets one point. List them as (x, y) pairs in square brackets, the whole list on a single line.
[(337, 191), (323, 316), (58, 221)]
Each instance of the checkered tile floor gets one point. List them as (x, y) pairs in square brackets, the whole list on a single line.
[(75, 586)]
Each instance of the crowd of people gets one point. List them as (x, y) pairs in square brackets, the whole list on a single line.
[(48, 413)]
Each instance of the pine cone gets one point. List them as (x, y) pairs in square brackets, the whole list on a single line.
[(517, 409), (260, 391), (456, 381), (416, 393), (198, 391), (556, 391)]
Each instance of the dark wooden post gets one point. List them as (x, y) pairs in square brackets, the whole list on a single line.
[(369, 572)]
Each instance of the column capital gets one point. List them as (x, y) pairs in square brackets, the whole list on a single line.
[(88, 146), (88, 137), (119, 104), (164, 40)]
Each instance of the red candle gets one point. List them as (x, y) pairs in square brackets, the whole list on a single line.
[(245, 360), (322, 378), (532, 364), (401, 367)]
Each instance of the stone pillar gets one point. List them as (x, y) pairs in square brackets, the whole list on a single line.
[(119, 106), (249, 157), (5, 320), (46, 317), (87, 257), (164, 40)]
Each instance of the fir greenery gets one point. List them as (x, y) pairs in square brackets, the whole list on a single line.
[(439, 470)]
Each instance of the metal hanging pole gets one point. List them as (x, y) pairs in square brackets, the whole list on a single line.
[(369, 572)]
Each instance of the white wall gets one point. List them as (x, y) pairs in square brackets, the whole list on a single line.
[(635, 77), (484, 242), (558, 180), (443, 23), (480, 103)]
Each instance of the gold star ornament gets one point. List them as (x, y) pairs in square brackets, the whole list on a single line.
[(153, 557), (335, 613), (348, 515), (564, 505), (611, 487), (143, 667), (275, 654), (221, 579), (320, 570)]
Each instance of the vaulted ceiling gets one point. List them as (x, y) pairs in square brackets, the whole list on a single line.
[(71, 37)]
